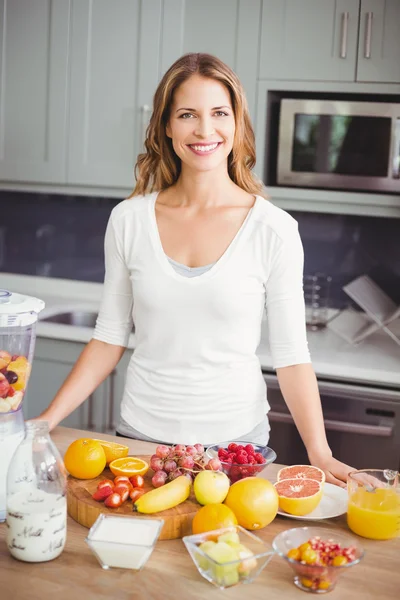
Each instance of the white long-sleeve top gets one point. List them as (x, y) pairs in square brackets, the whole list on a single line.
[(194, 375)]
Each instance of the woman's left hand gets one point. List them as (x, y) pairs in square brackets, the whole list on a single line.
[(335, 471)]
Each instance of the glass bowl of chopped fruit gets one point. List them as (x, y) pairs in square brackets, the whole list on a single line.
[(241, 459), (317, 556)]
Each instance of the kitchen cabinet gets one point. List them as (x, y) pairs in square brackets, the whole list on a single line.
[(114, 58), (52, 363), (309, 39), (33, 90), (330, 40), (379, 42), (228, 29)]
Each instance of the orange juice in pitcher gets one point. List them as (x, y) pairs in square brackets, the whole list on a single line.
[(374, 504)]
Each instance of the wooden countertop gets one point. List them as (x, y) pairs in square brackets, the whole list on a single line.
[(170, 573)]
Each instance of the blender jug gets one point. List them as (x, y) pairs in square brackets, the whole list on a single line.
[(18, 317)]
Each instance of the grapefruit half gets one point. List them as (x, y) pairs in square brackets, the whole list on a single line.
[(301, 472), (298, 496)]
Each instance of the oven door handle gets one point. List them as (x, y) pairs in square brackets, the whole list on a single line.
[(332, 425)]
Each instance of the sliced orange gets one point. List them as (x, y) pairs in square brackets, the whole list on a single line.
[(298, 496), (130, 465), (112, 450)]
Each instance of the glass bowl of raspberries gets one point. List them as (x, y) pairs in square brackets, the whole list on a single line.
[(241, 459), (317, 556)]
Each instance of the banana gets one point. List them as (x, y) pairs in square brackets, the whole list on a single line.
[(169, 495)]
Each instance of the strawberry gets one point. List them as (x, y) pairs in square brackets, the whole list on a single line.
[(102, 494), (123, 491), (113, 501)]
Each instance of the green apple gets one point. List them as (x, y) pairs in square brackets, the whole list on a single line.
[(202, 561), (231, 538), (211, 487)]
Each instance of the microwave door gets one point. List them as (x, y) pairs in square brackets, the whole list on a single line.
[(337, 144)]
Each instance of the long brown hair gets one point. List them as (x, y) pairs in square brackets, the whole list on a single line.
[(159, 167)]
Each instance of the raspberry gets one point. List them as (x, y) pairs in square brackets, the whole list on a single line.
[(239, 447), (232, 447), (249, 449), (259, 458), (222, 453), (241, 459), (252, 460), (232, 456)]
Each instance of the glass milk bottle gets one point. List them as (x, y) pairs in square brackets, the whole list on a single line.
[(36, 505)]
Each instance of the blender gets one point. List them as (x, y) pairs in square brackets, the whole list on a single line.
[(18, 317)]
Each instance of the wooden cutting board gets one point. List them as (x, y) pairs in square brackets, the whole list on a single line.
[(83, 509)]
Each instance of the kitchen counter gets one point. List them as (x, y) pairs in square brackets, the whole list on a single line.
[(76, 573), (374, 362)]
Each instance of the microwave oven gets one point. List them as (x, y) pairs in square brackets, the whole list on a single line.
[(339, 144)]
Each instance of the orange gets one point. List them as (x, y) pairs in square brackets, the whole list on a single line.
[(22, 368), (129, 465), (113, 450), (213, 516), (85, 459), (254, 501), (299, 496), (301, 472)]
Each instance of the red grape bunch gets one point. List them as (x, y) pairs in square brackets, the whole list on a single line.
[(168, 463)]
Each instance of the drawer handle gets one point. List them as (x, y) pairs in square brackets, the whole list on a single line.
[(331, 425)]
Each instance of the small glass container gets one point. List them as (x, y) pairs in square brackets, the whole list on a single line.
[(316, 578), (236, 471), (251, 555), (123, 542), (36, 505)]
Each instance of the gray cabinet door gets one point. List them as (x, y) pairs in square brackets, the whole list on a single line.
[(379, 43), (228, 29), (114, 68), (309, 39), (33, 84), (52, 363)]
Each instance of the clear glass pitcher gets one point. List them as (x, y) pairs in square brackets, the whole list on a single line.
[(36, 509), (374, 503)]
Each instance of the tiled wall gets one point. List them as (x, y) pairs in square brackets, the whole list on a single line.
[(62, 236)]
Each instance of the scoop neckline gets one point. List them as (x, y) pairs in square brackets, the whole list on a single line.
[(216, 266)]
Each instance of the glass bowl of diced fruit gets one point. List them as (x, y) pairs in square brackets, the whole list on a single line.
[(241, 459), (317, 556), (229, 556)]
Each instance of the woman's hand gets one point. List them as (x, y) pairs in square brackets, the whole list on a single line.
[(335, 471)]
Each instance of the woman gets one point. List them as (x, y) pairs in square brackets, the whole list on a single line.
[(194, 257)]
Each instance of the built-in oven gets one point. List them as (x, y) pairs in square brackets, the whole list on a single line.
[(339, 144), (362, 424)]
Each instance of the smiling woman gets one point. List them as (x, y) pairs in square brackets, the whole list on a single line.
[(194, 257)]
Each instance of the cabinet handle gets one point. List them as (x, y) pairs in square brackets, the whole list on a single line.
[(396, 151), (368, 35), (343, 43), (343, 426), (144, 122)]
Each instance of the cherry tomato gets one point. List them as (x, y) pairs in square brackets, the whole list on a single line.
[(137, 481), (113, 501), (136, 493)]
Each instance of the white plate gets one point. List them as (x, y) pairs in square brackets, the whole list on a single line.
[(333, 504)]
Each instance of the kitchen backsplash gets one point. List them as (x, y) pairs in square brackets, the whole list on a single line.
[(56, 235)]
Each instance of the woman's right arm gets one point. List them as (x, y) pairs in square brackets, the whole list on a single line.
[(97, 360), (110, 338)]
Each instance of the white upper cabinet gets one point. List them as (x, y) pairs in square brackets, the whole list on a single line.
[(309, 39), (228, 29), (114, 71), (33, 84), (379, 44)]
